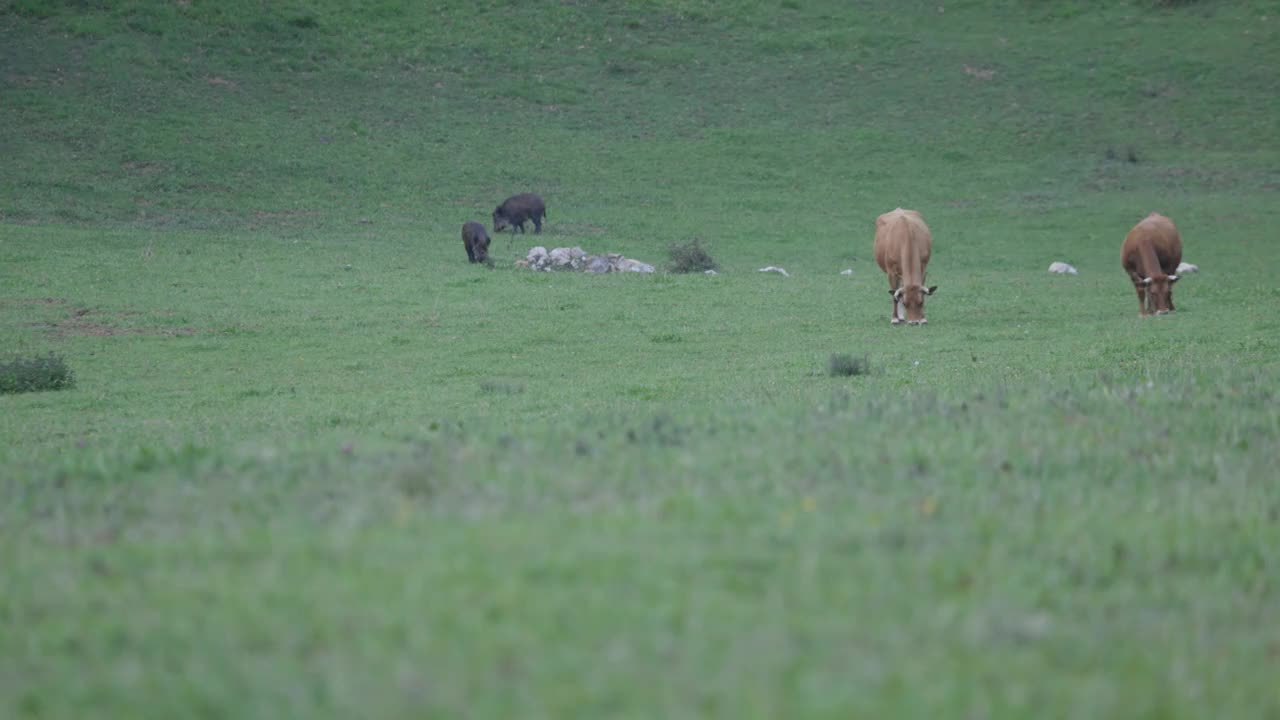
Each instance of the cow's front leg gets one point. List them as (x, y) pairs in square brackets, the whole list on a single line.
[(1142, 299), (896, 312)]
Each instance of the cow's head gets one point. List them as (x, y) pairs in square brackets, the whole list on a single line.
[(500, 221), (910, 303), (1159, 293)]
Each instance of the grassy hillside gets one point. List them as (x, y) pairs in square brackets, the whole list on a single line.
[(297, 115), (317, 465)]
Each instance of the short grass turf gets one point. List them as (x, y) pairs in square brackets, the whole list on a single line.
[(316, 465)]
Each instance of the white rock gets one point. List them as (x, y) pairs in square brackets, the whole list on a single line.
[(576, 258), (1187, 268), (710, 272), (560, 257), (538, 258), (629, 265), (773, 269), (1062, 269), (596, 264), (847, 271)]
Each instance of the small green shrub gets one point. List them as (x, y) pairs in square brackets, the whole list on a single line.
[(846, 365), (690, 257), (35, 374)]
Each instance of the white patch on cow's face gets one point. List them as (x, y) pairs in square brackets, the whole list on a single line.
[(902, 309)]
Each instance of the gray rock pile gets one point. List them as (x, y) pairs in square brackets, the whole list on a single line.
[(575, 258)]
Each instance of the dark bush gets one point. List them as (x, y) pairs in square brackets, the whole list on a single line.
[(689, 257), (35, 374), (1130, 153), (500, 387), (846, 365)]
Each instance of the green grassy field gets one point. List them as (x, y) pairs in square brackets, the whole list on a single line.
[(317, 465)]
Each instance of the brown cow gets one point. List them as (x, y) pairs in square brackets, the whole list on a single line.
[(1150, 254), (903, 244)]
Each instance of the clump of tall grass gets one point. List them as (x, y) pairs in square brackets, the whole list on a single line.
[(689, 257), (33, 374), (846, 365)]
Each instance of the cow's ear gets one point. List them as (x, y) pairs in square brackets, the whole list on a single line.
[(893, 293), (1173, 279), (1146, 281), (931, 290), (897, 294)]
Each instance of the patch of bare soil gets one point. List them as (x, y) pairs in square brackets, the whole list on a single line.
[(33, 301), (87, 322), (218, 81), (139, 167), (980, 73), (1205, 178), (576, 229)]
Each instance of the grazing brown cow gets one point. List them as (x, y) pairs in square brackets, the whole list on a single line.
[(1150, 254), (903, 244), (476, 240)]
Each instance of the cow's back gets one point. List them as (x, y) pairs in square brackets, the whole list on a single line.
[(902, 230), (1161, 235)]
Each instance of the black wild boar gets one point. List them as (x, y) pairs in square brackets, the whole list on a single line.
[(476, 240), (513, 212)]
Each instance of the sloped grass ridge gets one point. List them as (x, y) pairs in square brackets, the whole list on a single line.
[(238, 113)]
